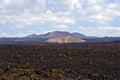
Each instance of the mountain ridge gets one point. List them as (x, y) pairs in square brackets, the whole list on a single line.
[(55, 34), (42, 38)]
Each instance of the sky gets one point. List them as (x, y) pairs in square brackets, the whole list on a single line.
[(90, 17)]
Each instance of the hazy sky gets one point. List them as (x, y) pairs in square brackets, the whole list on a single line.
[(90, 17)]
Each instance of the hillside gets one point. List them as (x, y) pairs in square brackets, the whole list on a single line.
[(66, 39)]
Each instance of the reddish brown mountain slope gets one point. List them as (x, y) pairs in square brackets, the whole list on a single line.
[(66, 39)]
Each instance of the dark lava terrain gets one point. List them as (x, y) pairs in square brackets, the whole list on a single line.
[(60, 62)]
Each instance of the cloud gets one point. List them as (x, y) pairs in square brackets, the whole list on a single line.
[(23, 13), (4, 34), (61, 27), (99, 11), (29, 11), (18, 26), (12, 7), (29, 19), (63, 5)]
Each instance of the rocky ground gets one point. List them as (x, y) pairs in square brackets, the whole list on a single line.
[(60, 62)]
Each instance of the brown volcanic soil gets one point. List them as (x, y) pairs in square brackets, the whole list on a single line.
[(60, 62), (66, 39)]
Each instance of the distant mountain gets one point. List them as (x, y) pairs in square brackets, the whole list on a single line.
[(56, 34), (79, 35), (32, 36), (66, 39), (103, 39)]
